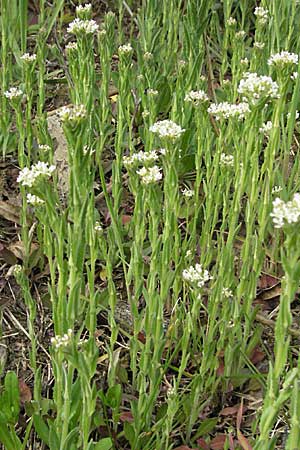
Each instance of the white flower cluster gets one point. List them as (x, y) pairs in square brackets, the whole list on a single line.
[(98, 228), (283, 59), (255, 87), (140, 157), (125, 49), (28, 177), (240, 34), (227, 292), (231, 21), (34, 200), (167, 129), (259, 45), (80, 26), (262, 14), (286, 212), (44, 147), (87, 8), (27, 58), (14, 93), (226, 160), (62, 341), (17, 270), (244, 61), (266, 128), (150, 175), (227, 110), (71, 47), (188, 193), (147, 56), (196, 97), (73, 114), (152, 92), (196, 275), (276, 189)]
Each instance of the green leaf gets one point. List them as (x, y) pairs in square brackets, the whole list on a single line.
[(104, 444), (9, 438), (70, 439), (41, 428), (11, 387), (113, 396), (53, 439)]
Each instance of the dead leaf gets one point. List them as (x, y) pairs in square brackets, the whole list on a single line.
[(126, 416), (25, 392), (184, 447), (218, 442), (61, 152), (10, 211), (202, 444), (257, 356), (125, 219), (231, 410), (221, 368), (267, 281), (241, 438), (7, 255), (239, 416), (17, 248), (243, 441), (269, 294)]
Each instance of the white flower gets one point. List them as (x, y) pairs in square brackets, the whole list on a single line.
[(72, 114), (227, 292), (28, 177), (259, 45), (80, 26), (294, 76), (286, 212), (262, 14), (62, 341), (149, 175), (34, 200), (226, 160), (188, 193), (296, 115), (255, 87), (227, 110), (182, 63), (14, 93), (125, 49), (283, 59), (196, 97), (167, 129), (266, 127), (196, 275), (27, 58)]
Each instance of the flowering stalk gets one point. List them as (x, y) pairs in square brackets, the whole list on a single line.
[(28, 62)]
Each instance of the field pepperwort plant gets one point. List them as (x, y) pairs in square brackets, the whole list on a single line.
[(149, 225)]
